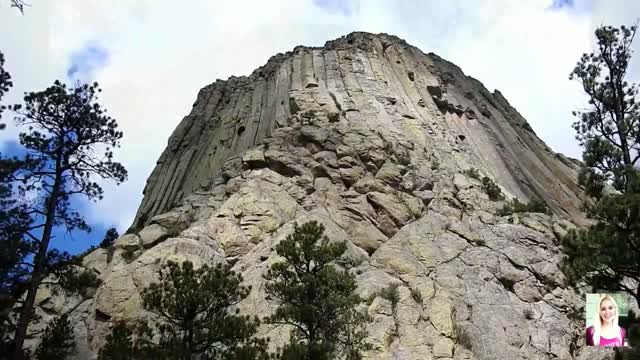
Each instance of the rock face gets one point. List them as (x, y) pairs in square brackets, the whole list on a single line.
[(366, 97), (370, 137)]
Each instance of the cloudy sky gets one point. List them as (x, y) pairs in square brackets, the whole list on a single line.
[(152, 56)]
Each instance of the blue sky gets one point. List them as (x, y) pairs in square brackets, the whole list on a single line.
[(559, 4), (151, 57)]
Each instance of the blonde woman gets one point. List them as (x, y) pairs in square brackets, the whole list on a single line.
[(605, 330)]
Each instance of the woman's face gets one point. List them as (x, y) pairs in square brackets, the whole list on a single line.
[(607, 311)]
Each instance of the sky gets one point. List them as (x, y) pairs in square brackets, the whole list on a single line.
[(152, 56)]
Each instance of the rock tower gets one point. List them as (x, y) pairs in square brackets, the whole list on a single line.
[(376, 140)]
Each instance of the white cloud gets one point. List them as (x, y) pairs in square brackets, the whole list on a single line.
[(161, 54)]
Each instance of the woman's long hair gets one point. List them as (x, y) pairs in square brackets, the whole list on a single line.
[(597, 323)]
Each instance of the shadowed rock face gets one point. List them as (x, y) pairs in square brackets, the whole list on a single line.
[(370, 137)]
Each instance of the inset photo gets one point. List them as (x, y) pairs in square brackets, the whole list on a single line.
[(607, 319)]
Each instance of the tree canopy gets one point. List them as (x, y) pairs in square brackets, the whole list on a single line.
[(194, 306), (68, 141), (315, 298), (607, 255)]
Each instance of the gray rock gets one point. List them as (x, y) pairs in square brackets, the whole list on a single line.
[(153, 234), (390, 174), (254, 158), (128, 242), (176, 220)]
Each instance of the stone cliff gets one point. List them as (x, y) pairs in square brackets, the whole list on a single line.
[(371, 137), (360, 84)]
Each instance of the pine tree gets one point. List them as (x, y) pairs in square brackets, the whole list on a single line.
[(315, 298), (193, 305), (119, 345), (110, 237), (609, 129), (5, 84), (58, 340), (14, 222), (66, 131), (607, 256)]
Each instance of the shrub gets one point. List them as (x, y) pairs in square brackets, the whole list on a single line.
[(391, 336), (536, 205), (110, 237), (392, 294), (506, 210), (492, 189), (472, 173), (462, 337), (416, 295), (128, 255), (57, 341), (529, 314)]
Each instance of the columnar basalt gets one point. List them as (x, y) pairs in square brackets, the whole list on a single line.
[(370, 137), (361, 83)]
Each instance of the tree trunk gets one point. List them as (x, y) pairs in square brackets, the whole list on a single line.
[(187, 340), (39, 271)]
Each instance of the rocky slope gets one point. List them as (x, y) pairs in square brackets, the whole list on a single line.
[(370, 137)]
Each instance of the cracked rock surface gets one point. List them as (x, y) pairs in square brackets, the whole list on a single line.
[(370, 137)]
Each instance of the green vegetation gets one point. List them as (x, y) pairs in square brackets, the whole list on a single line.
[(529, 314), (57, 342), (472, 173), (391, 293), (416, 295), (110, 237), (609, 252), (195, 319), (606, 256), (67, 140), (193, 305), (119, 345), (492, 189), (315, 298), (128, 254), (462, 337), (536, 205)]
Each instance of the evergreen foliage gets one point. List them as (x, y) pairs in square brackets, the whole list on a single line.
[(472, 173), (633, 335), (610, 129), (126, 344), (607, 256), (492, 189), (119, 345), (57, 342), (110, 237), (536, 205), (193, 305), (13, 222), (315, 298), (392, 294), (68, 143), (5, 83)]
